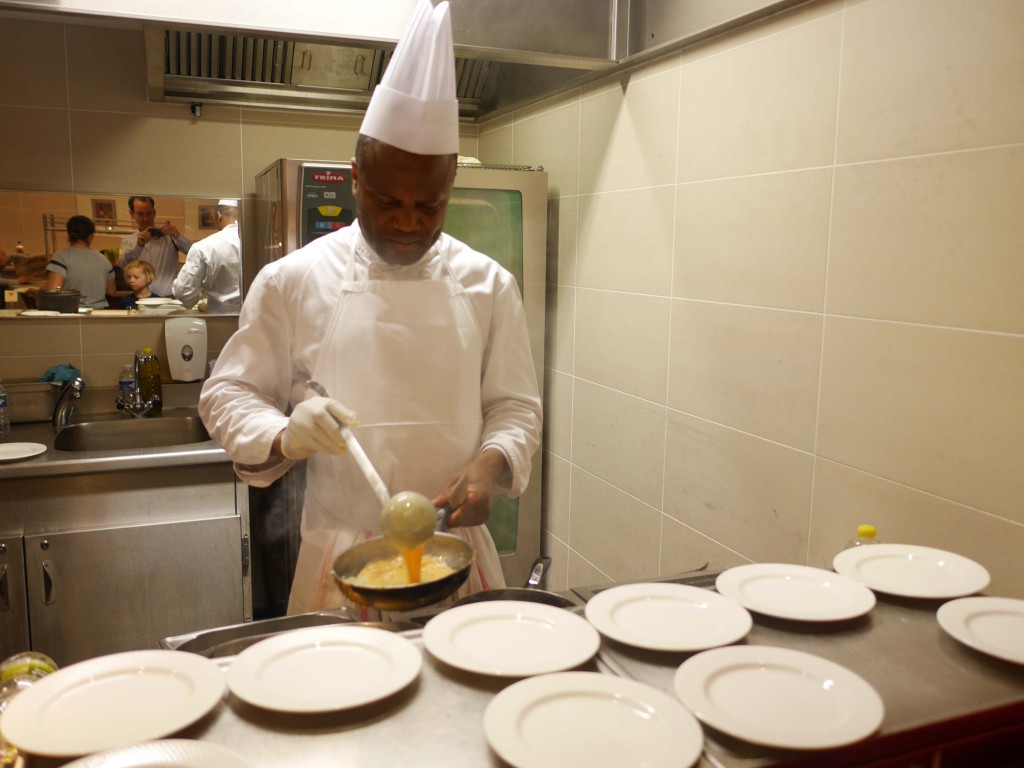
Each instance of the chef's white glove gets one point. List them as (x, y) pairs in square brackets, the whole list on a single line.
[(315, 425)]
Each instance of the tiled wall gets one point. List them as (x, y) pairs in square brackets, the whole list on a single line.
[(787, 294), (97, 346)]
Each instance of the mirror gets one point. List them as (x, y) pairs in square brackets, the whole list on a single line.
[(35, 221)]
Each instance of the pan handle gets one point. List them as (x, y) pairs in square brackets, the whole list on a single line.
[(455, 500), (538, 572)]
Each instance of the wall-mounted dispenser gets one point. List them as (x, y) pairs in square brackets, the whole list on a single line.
[(186, 347)]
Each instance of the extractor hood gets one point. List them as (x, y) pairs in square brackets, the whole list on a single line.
[(505, 52), (330, 56)]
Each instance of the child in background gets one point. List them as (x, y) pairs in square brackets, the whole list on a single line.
[(138, 274)]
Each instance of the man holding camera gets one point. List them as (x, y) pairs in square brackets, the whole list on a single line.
[(157, 245)]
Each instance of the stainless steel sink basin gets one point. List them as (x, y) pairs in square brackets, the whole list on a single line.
[(136, 433)]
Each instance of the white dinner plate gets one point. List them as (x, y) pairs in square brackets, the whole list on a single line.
[(163, 309), (510, 638), (590, 719), (324, 669), (85, 310), (112, 701), (156, 301), (19, 451), (795, 592), (778, 697), (908, 570), (168, 753), (39, 313), (668, 617), (992, 625)]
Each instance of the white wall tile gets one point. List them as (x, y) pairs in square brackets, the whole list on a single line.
[(628, 135), (551, 139), (556, 495), (625, 241), (934, 240), (683, 549), (752, 369), (619, 438), (925, 76), (558, 413), (766, 106), (615, 532), (935, 409), (622, 342), (759, 240), (748, 494)]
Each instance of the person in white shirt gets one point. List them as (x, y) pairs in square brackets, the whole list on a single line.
[(417, 335), (157, 245), (214, 266)]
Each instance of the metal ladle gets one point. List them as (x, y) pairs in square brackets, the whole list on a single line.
[(408, 519)]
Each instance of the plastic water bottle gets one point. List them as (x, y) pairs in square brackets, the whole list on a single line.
[(865, 535), (126, 385), (5, 421)]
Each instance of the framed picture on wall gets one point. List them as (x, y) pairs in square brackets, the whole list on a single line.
[(207, 216), (103, 210)]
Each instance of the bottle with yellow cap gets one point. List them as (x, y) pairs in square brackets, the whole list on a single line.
[(866, 534), (150, 390)]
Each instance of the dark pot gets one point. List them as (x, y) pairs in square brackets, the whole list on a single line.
[(58, 301)]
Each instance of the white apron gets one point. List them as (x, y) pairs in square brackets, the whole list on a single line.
[(405, 356)]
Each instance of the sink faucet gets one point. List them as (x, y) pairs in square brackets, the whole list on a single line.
[(138, 408), (69, 391)]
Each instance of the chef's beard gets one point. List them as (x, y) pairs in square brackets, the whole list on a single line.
[(388, 252)]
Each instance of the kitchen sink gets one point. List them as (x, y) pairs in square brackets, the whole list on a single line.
[(136, 433)]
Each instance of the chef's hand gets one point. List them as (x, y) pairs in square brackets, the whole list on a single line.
[(482, 474), (315, 425)]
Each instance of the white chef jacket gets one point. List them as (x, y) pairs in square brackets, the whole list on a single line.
[(161, 252), (213, 265), (282, 328)]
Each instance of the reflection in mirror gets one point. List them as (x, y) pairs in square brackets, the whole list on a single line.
[(32, 230)]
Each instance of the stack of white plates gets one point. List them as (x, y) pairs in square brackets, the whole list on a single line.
[(159, 306)]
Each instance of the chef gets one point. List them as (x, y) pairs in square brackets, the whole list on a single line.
[(420, 341), (214, 266)]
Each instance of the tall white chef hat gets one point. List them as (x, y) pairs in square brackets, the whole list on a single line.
[(415, 108), (229, 202)]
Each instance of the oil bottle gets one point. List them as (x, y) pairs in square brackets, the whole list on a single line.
[(866, 534), (150, 390)]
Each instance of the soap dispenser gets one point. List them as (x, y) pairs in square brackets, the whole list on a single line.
[(186, 347)]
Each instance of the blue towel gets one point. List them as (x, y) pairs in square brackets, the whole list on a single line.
[(61, 373)]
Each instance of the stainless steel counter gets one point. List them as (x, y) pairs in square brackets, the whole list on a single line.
[(935, 691), (54, 462)]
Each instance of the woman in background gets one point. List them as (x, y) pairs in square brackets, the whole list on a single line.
[(80, 268)]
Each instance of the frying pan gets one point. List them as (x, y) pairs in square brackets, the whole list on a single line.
[(452, 549), (530, 593)]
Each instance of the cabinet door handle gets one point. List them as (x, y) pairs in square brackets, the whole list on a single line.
[(5, 595), (49, 574)]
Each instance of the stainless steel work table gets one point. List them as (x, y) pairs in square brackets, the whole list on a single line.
[(935, 691)]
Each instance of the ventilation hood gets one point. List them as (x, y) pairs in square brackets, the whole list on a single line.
[(506, 52), (330, 56)]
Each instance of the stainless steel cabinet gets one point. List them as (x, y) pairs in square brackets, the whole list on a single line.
[(115, 556), (13, 614), (115, 589)]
